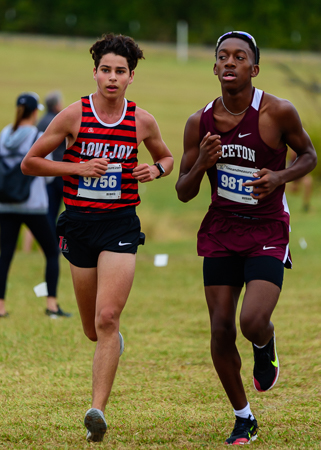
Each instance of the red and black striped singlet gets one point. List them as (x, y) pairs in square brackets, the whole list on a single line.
[(96, 139)]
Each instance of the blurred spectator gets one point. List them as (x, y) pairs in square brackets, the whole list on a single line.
[(33, 212), (54, 104)]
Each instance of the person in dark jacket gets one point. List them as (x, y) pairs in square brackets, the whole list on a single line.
[(54, 104)]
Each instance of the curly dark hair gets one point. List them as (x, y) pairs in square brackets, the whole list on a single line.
[(119, 45)]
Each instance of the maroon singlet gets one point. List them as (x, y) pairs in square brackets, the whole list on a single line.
[(235, 223), (244, 150)]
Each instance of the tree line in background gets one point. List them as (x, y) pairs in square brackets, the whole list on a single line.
[(283, 24)]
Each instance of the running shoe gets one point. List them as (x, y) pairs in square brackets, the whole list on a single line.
[(56, 314), (266, 366), (122, 344), (245, 431), (96, 425)]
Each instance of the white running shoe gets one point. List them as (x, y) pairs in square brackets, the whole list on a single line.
[(122, 344), (96, 425)]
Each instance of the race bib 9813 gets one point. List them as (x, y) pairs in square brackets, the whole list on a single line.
[(229, 183), (106, 187)]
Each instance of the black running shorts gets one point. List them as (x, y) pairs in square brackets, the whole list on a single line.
[(237, 270), (81, 241)]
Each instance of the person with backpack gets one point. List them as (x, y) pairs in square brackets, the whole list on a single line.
[(15, 141)]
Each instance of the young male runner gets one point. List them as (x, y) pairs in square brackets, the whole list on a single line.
[(240, 140), (99, 231)]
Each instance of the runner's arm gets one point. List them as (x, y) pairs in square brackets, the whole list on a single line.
[(294, 135), (197, 158), (64, 126), (148, 132), (298, 139)]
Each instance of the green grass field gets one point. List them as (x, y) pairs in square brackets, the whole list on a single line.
[(166, 394)]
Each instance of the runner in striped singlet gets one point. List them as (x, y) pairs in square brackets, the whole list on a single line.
[(240, 140), (99, 231)]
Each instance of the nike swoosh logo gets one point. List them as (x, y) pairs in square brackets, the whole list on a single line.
[(275, 362), (243, 135), (120, 243), (267, 248)]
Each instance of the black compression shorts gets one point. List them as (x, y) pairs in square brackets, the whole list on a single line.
[(237, 270)]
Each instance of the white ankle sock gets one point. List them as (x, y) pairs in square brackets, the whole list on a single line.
[(262, 346), (244, 413), (258, 346)]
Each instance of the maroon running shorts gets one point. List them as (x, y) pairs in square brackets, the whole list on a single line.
[(226, 235)]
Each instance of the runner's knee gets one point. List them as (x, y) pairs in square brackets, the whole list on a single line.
[(107, 320), (222, 334), (252, 325)]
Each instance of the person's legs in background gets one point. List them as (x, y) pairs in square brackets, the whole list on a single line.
[(55, 195), (44, 234), (10, 225)]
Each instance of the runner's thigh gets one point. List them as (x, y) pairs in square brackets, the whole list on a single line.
[(115, 274)]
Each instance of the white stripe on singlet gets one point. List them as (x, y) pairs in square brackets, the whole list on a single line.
[(257, 98)]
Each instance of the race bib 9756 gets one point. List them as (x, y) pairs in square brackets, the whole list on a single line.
[(106, 187)]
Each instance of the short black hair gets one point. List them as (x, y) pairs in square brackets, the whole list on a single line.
[(245, 37), (119, 45)]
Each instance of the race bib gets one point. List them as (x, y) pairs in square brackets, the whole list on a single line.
[(106, 187), (229, 183)]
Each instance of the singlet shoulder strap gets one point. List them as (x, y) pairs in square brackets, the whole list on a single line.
[(207, 107), (257, 97)]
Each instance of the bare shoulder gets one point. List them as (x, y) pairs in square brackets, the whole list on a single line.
[(194, 119), (146, 125), (144, 118), (277, 107), (278, 117), (192, 130), (278, 121), (71, 112)]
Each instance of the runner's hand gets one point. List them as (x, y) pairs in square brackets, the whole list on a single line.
[(145, 173), (95, 167), (210, 150), (266, 183)]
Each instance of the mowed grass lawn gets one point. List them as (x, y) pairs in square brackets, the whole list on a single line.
[(166, 394)]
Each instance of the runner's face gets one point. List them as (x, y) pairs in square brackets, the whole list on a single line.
[(113, 75), (235, 63)]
